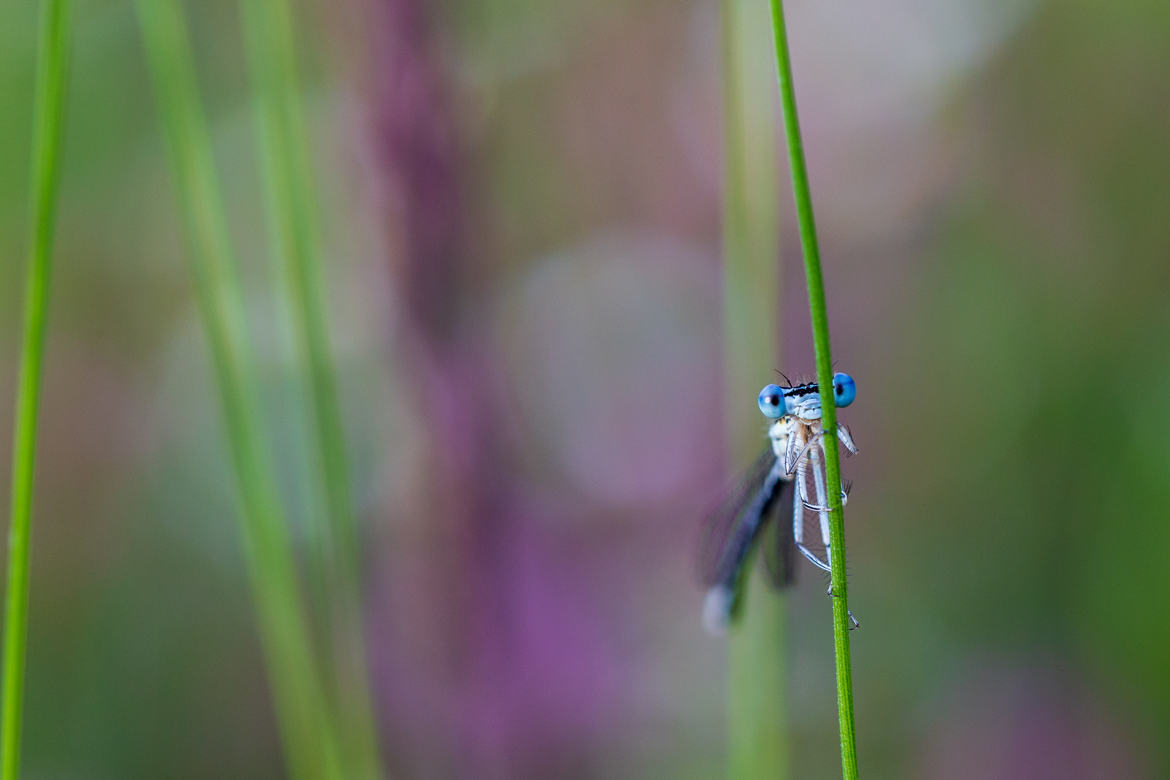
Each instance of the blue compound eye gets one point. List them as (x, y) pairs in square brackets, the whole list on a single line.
[(772, 402), (844, 390)]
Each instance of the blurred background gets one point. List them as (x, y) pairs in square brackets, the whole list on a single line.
[(522, 206)]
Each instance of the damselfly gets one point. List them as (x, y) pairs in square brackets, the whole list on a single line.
[(790, 475)]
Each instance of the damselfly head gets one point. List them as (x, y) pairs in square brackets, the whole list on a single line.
[(804, 401)]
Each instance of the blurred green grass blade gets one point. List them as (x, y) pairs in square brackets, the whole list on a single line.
[(293, 219), (756, 702), (48, 122), (820, 326), (757, 717), (307, 735)]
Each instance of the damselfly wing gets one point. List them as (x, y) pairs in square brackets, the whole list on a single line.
[(741, 523)]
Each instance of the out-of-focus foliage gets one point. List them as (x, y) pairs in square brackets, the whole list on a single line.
[(533, 411)]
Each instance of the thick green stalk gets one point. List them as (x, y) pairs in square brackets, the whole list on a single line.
[(48, 124), (293, 218), (820, 326), (756, 712), (302, 714)]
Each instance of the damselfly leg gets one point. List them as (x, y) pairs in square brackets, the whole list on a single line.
[(816, 462), (854, 622), (805, 437)]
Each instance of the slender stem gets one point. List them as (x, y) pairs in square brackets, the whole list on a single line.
[(48, 123), (820, 326), (308, 737), (756, 713), (293, 217)]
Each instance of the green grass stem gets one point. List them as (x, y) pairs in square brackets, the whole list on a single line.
[(820, 327), (308, 737), (48, 130), (757, 653), (270, 37)]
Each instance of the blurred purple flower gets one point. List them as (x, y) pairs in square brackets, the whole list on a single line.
[(489, 657)]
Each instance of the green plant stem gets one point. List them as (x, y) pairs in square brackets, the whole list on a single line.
[(757, 743), (820, 326), (48, 130), (308, 737), (282, 139)]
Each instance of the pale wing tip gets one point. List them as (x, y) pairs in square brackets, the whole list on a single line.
[(717, 610)]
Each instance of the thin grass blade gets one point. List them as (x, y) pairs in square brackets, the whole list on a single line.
[(48, 130), (820, 325)]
